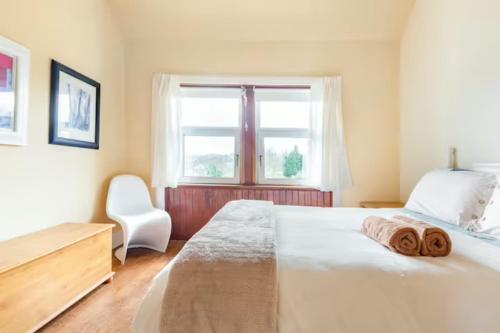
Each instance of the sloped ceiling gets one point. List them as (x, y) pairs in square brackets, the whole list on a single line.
[(262, 20)]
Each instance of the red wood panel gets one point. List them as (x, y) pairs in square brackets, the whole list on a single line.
[(192, 206)]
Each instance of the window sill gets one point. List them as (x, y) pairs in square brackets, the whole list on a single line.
[(256, 186)]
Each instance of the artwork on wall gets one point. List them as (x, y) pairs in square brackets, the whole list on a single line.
[(74, 108), (14, 83)]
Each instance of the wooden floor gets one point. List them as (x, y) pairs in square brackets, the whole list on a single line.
[(111, 307)]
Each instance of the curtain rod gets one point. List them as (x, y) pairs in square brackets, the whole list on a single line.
[(238, 86)]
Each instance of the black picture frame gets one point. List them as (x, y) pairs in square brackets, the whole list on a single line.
[(54, 138)]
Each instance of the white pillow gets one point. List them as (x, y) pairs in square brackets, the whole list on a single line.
[(457, 197), (490, 222)]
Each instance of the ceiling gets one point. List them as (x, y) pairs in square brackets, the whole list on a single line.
[(262, 20)]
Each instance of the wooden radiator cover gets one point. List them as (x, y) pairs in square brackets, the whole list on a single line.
[(192, 206)]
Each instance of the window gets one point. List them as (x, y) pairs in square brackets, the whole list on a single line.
[(246, 134), (283, 135), (210, 120)]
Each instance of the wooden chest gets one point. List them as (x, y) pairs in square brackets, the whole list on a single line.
[(44, 273)]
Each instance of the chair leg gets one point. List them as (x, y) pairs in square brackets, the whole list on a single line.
[(121, 254), (163, 243), (167, 240)]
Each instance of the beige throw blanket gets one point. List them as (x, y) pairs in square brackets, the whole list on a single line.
[(435, 241), (397, 235), (225, 277)]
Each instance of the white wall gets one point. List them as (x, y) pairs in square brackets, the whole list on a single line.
[(41, 184), (450, 86), (370, 73)]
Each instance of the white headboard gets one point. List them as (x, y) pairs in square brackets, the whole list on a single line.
[(488, 167)]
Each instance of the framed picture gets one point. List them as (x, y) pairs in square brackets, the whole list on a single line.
[(14, 85), (74, 108)]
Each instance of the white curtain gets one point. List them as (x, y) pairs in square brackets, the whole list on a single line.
[(331, 165), (166, 140)]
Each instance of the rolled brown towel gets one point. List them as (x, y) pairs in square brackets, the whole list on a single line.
[(435, 241), (397, 235)]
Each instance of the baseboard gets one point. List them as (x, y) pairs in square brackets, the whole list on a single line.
[(117, 238)]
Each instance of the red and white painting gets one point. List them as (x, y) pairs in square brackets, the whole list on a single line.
[(7, 92)]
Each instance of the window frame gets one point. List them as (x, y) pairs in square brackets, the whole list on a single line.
[(210, 131), (249, 137)]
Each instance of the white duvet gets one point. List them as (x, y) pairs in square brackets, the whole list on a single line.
[(332, 278)]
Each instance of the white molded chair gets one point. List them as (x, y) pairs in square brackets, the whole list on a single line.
[(143, 225)]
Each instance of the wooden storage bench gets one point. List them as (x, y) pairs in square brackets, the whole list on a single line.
[(44, 273)]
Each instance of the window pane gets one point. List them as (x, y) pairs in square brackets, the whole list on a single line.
[(210, 112), (209, 156), (284, 114), (285, 158)]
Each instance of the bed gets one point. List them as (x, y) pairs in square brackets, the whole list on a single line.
[(332, 278)]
